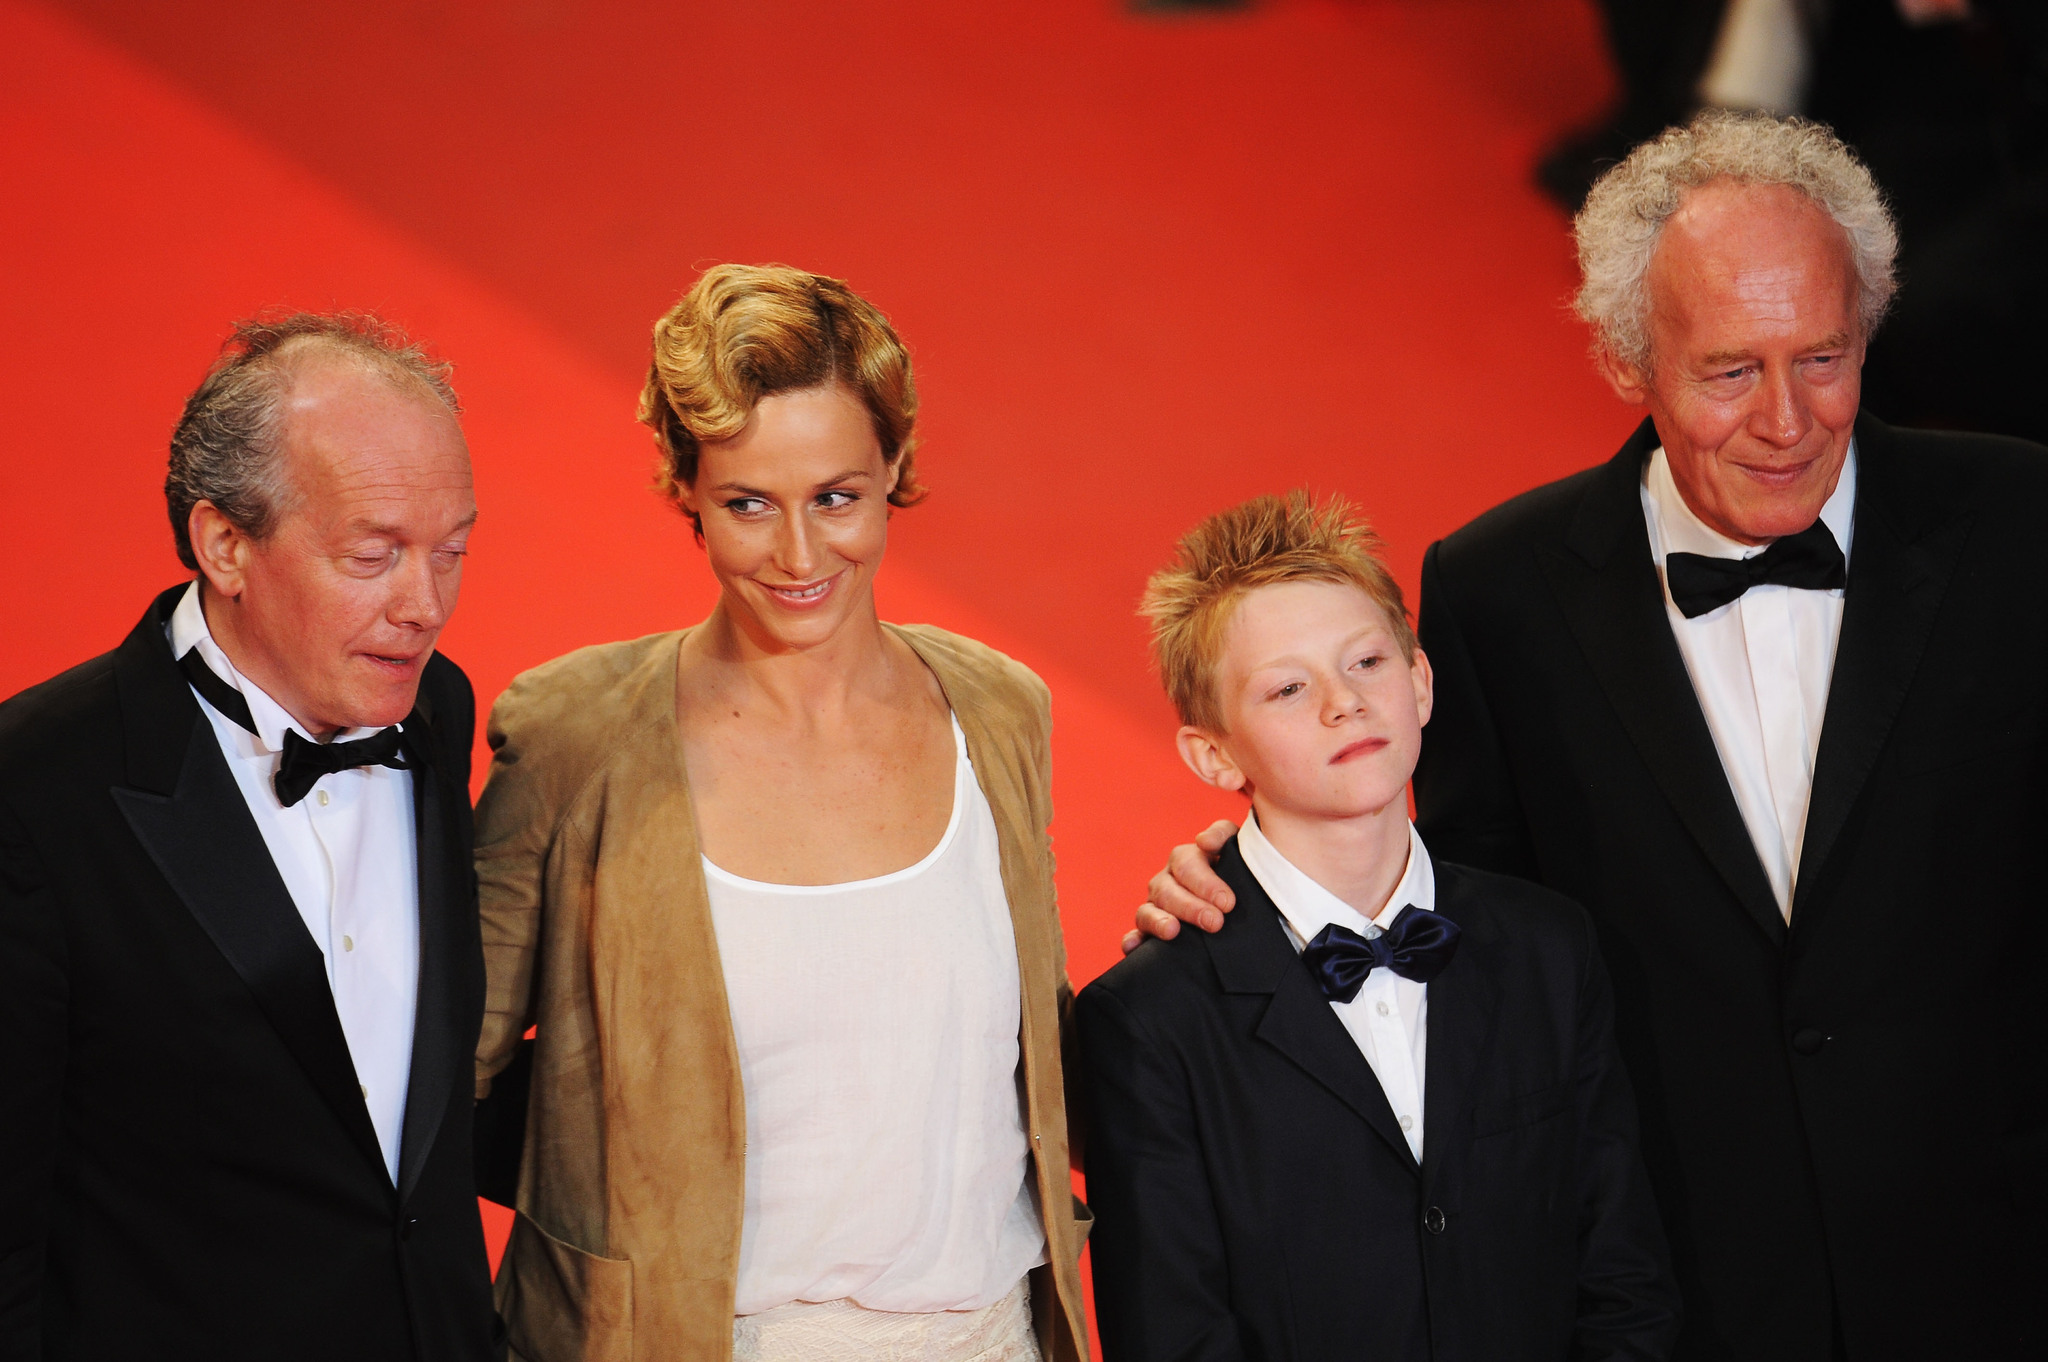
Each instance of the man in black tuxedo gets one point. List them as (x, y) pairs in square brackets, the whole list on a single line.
[(240, 977), (1765, 693)]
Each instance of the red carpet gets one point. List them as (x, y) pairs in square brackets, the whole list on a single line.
[(1147, 266)]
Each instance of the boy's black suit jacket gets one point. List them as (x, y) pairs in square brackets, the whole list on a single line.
[(1847, 1119), (1254, 1197), (187, 1168)]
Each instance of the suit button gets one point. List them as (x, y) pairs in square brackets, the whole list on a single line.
[(405, 1228), (1808, 1041), (1433, 1220)]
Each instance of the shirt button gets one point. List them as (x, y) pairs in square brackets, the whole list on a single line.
[(348, 943), (1407, 1123), (1382, 1009), (321, 795), (364, 1088)]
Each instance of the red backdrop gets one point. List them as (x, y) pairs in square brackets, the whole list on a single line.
[(1147, 266)]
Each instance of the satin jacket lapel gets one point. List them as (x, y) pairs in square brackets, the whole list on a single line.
[(1252, 955), (188, 813), (1904, 551), (1462, 1008), (438, 1044), (1606, 585)]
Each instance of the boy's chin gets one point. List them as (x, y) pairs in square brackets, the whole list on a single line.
[(1323, 807)]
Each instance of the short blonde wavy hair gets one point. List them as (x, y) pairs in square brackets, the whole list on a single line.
[(745, 332), (1261, 542), (1618, 229)]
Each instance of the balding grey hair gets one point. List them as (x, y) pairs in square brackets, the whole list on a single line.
[(227, 444), (1625, 213)]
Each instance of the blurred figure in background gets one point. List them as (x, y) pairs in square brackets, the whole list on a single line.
[(1945, 100)]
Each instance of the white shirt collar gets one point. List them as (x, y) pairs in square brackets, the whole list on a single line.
[(1675, 529), (1307, 907), (188, 631)]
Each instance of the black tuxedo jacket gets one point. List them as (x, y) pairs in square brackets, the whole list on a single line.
[(1846, 1121), (1254, 1197), (187, 1168)]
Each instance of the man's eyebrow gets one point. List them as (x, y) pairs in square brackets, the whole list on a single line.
[(1722, 359), (381, 529)]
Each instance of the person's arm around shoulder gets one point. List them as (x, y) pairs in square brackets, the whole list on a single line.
[(1464, 800), (1628, 1300), (34, 1003), (1162, 1281)]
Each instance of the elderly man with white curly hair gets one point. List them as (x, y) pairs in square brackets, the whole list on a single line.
[(1765, 692)]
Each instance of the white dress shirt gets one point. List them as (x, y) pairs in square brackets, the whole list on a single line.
[(887, 1162), (1389, 1019), (1760, 666), (348, 855)]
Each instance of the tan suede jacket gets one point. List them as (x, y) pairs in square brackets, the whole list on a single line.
[(597, 930)]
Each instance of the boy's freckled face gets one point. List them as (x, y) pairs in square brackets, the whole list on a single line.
[(1323, 715)]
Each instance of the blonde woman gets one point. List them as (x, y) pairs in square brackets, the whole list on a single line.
[(777, 892)]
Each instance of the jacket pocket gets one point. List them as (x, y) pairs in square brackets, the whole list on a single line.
[(1497, 1118), (562, 1304)]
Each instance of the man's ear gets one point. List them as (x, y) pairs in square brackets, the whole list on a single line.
[(222, 549), (1205, 756), (1425, 685), (1630, 383)]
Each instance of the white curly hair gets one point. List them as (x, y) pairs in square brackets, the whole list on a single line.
[(1626, 211)]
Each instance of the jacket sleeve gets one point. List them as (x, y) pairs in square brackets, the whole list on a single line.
[(1077, 1099), (1465, 804), (1628, 1300), (34, 1003), (1161, 1279), (515, 826)]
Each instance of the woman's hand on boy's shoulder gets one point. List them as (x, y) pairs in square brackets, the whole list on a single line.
[(1187, 890)]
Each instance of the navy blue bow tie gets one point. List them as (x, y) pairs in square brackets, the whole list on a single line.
[(1417, 947)]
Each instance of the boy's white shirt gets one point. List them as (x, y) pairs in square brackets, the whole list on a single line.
[(1389, 1019)]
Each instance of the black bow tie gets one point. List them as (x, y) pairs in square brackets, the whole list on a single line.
[(1417, 947), (304, 762), (1811, 560)]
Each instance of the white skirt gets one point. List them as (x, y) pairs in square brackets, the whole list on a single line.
[(840, 1331)]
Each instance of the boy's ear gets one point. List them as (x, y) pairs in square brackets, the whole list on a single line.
[(1206, 758), (1425, 685)]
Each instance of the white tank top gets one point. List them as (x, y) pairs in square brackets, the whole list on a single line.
[(877, 1024)]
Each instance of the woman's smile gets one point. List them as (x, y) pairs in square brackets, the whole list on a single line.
[(803, 595)]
